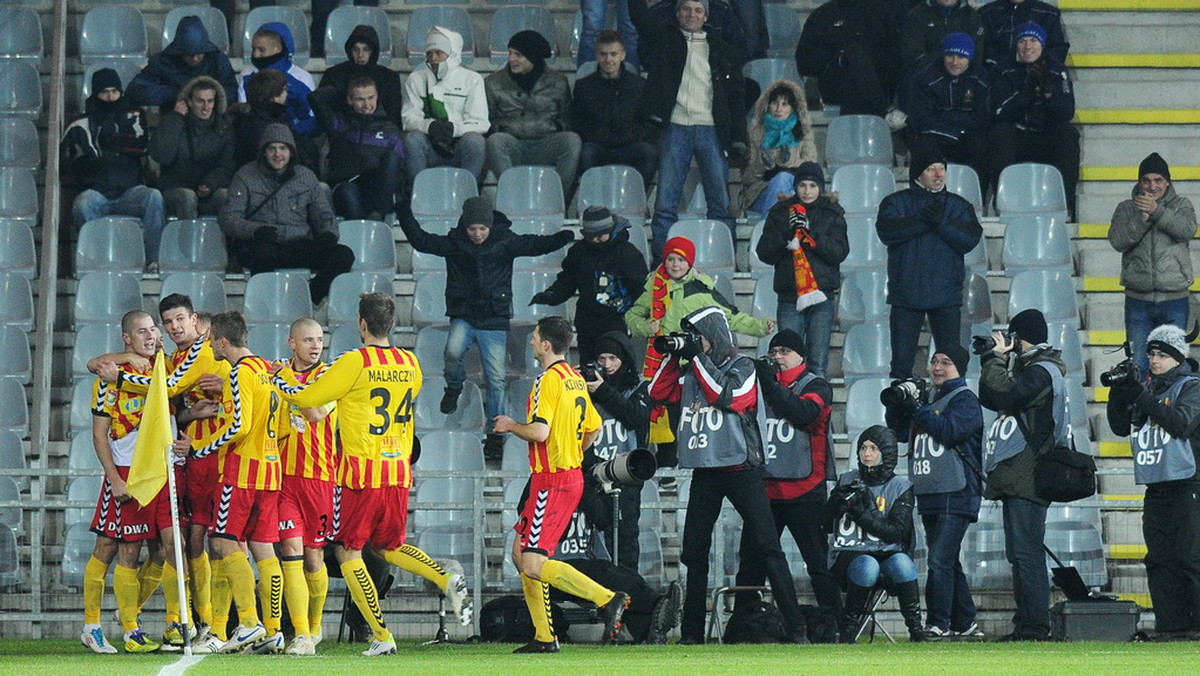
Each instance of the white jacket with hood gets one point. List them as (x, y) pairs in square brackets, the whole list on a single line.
[(458, 91)]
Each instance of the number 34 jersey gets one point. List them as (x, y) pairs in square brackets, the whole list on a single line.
[(376, 389)]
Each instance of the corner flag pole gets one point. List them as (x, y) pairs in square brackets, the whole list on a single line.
[(184, 609)]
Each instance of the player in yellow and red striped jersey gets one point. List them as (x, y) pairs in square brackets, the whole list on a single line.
[(562, 422), (375, 388)]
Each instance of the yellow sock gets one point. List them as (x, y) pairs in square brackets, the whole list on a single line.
[(241, 583), (417, 562), (318, 589), (295, 592), (362, 588), (537, 598), (222, 596), (93, 589), (125, 588), (149, 577), (565, 577), (170, 587), (201, 587), (270, 593)]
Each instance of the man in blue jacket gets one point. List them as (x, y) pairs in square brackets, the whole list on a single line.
[(272, 46), (190, 55), (927, 230)]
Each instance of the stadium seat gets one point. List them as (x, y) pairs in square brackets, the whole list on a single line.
[(192, 246), (454, 18), (101, 296), (438, 196), (977, 317), (20, 34), (866, 250), (524, 287), (14, 407), (277, 297), (83, 455), (429, 300), (867, 352), (346, 289), (11, 517), (508, 21), (126, 69), (451, 448), (1065, 337), (964, 182), (1053, 292), (862, 298), (342, 21), (468, 417), (82, 489), (343, 338), (861, 187), (1037, 242), (291, 16), (270, 340), (858, 139), (20, 90), (863, 408), (452, 542), (714, 244), (1030, 187), (651, 518), (19, 144), (372, 243), (976, 259), (766, 301), (783, 31), (519, 361), (18, 195), (113, 33), (110, 244), (515, 457), (766, 71), (443, 490), (758, 268), (516, 400), (12, 456), (16, 301), (651, 565), (693, 203), (1079, 545), (17, 249), (530, 191), (93, 340), (617, 187), (10, 558), (984, 561), (81, 409), (206, 289), (78, 543), (211, 17), (430, 349)]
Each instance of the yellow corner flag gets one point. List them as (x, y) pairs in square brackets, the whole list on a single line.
[(148, 470)]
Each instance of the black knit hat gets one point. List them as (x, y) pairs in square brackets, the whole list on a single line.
[(957, 354), (1030, 326), (531, 44), (922, 158), (1154, 164), (476, 211), (810, 171), (105, 78), (789, 339)]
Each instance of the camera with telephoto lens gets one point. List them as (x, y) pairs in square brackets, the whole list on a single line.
[(626, 469), (907, 390), (984, 344), (590, 371), (1122, 372), (676, 342)]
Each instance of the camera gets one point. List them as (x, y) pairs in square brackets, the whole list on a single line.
[(908, 390), (590, 371), (983, 344), (1122, 372), (674, 343), (850, 492), (626, 469)]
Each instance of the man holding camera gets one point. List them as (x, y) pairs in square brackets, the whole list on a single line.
[(946, 440), (1162, 420), (718, 436), (1023, 381)]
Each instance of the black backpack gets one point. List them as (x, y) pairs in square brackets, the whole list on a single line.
[(759, 622), (506, 620)]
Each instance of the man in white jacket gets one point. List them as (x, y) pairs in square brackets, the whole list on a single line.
[(445, 109)]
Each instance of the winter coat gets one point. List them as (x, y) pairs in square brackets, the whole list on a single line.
[(766, 163), (1156, 265), (528, 115), (459, 96), (925, 260), (722, 23), (835, 25), (1001, 19), (668, 50), (294, 203), (193, 152), (624, 395), (387, 81), (300, 84), (1131, 405), (248, 124), (1017, 103), (358, 144), (166, 73), (926, 25), (948, 106), (103, 150), (826, 225), (605, 112), (693, 292)]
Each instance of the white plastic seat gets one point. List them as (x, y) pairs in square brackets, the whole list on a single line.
[(206, 289), (126, 69), (514, 459), (516, 402), (866, 249), (343, 338), (270, 340), (10, 517), (83, 455), (19, 144), (93, 340), (858, 139), (211, 17), (16, 301), (372, 243), (650, 563), (1030, 187), (766, 301), (469, 415), (10, 559), (78, 544), (341, 23), (977, 316), (101, 296), (617, 187), (1052, 292), (1037, 242), (346, 289), (530, 191), (110, 244), (451, 542), (964, 182), (766, 71), (429, 300), (861, 187), (450, 448), (984, 560), (14, 407), (20, 34), (17, 250), (81, 409), (524, 286), (113, 33), (454, 18), (430, 349), (439, 193), (510, 20), (977, 259), (20, 90), (783, 31), (293, 17), (863, 408), (862, 298), (1079, 545), (443, 490), (714, 244), (867, 352), (82, 489), (277, 297), (12, 456), (18, 192), (1066, 338), (192, 246)]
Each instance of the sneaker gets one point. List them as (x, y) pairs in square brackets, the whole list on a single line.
[(665, 615), (207, 644), (270, 645), (493, 447), (449, 401), (302, 645), (317, 638), (971, 633), (935, 633), (173, 636), (456, 594), (538, 647), (612, 612), (242, 637), (387, 647), (137, 641), (92, 637)]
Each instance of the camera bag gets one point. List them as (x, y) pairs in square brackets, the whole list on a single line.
[(1062, 474)]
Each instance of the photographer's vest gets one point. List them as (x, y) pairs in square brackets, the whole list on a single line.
[(1158, 456), (581, 540), (787, 451), (614, 437), (848, 536), (1005, 439), (708, 436), (933, 468)]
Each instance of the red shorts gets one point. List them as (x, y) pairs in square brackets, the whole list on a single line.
[(202, 489), (306, 510), (370, 516), (163, 516), (126, 521), (246, 514), (546, 509)]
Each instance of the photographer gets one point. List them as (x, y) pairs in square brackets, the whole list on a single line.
[(1163, 421), (719, 437), (946, 440), (1023, 381), (870, 516)]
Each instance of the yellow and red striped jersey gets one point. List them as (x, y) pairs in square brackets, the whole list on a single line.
[(310, 451), (559, 399), (376, 390), (124, 407), (186, 367), (248, 442)]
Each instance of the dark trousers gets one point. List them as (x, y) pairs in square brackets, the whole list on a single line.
[(948, 601), (370, 191), (1024, 536), (270, 256), (1058, 146), (641, 597), (970, 149), (1171, 528), (853, 82), (640, 155), (905, 324), (744, 489)]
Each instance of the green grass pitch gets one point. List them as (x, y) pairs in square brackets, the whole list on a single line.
[(67, 657)]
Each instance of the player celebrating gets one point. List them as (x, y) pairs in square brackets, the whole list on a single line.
[(375, 388), (562, 422)]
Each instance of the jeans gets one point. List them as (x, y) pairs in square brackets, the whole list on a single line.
[(905, 324), (815, 325), (676, 148), (782, 182), (1171, 528), (145, 203), (270, 256), (640, 155), (560, 149), (802, 518), (420, 155), (492, 348), (595, 18), (948, 602), (370, 191), (1143, 316), (1024, 535), (184, 204), (865, 569)]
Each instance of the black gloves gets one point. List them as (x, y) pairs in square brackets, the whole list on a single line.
[(325, 239), (266, 233), (441, 135), (1037, 79), (541, 298), (689, 351), (766, 369), (932, 212)]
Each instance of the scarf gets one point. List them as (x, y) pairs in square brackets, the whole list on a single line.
[(778, 133), (660, 299), (807, 293)]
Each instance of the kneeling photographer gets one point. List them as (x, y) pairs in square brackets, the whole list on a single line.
[(944, 464), (1162, 419)]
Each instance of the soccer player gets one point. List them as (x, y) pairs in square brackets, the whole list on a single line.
[(562, 422), (375, 388), (310, 458)]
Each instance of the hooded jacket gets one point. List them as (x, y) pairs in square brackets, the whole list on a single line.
[(1015, 102), (687, 295), (528, 115), (826, 225), (1002, 18), (387, 81), (103, 150), (764, 163), (1156, 264), (294, 203), (948, 106), (624, 395), (895, 525), (1129, 407), (193, 152), (458, 95), (358, 143), (926, 25), (300, 117), (605, 111), (166, 73)]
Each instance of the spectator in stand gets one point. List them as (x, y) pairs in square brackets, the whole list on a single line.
[(781, 139), (721, 23), (529, 107), (266, 96), (102, 151), (446, 109), (594, 13), (272, 47), (604, 112), (190, 55), (1153, 230), (852, 48), (366, 154), (362, 60), (193, 145), (930, 21), (1002, 22), (1034, 104)]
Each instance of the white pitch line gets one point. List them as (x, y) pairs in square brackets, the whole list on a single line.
[(178, 667)]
